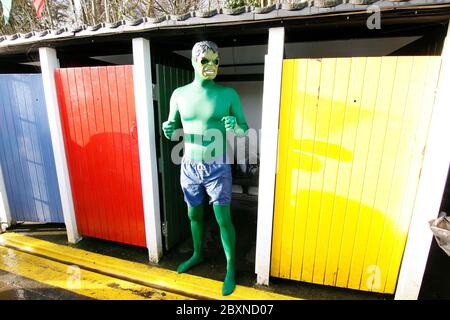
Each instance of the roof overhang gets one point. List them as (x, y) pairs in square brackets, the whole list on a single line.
[(191, 26)]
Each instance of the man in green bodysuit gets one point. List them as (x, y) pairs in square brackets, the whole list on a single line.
[(206, 110)]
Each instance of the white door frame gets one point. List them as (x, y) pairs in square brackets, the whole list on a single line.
[(49, 63), (145, 118), (430, 189), (5, 213), (269, 151)]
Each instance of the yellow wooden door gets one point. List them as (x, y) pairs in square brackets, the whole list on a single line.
[(352, 136)]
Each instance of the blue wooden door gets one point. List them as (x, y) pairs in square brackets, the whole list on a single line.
[(26, 153)]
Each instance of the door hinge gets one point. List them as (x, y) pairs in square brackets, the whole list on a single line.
[(164, 229)]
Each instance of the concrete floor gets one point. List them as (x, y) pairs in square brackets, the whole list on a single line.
[(14, 287), (436, 282), (244, 218)]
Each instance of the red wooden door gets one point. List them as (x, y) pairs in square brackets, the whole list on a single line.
[(100, 135)]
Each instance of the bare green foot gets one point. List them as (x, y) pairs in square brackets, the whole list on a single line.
[(229, 284), (193, 261)]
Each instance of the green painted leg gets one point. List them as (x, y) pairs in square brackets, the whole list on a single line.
[(228, 236), (196, 215)]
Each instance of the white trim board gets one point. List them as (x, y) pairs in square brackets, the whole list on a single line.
[(269, 146), (5, 213), (431, 188), (49, 63), (145, 117)]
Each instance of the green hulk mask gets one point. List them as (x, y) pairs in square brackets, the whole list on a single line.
[(206, 65), (201, 108)]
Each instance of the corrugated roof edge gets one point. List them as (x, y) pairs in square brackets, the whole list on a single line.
[(223, 17)]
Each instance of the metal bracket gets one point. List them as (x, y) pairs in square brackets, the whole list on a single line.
[(164, 228)]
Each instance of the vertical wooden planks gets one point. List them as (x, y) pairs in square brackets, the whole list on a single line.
[(108, 152), (97, 125), (68, 129), (376, 186), (375, 263), (302, 136), (318, 212), (361, 155), (26, 155), (76, 168), (416, 144), (24, 135), (81, 109), (11, 172), (118, 188), (97, 110), (348, 158), (329, 178), (13, 116), (288, 83), (44, 152), (341, 174), (134, 157), (359, 138), (398, 130), (308, 145)]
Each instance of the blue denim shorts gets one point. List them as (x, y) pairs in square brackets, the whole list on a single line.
[(200, 178)]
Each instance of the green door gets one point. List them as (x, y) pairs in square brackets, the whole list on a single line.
[(175, 220)]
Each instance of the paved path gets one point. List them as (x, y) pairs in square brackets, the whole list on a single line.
[(14, 287), (97, 276), (48, 276)]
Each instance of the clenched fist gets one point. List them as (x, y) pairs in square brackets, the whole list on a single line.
[(168, 128), (229, 122)]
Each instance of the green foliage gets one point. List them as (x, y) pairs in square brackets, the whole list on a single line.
[(233, 4), (67, 13), (22, 19), (255, 3)]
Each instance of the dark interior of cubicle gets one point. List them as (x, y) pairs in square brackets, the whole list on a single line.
[(436, 279), (176, 53), (303, 40)]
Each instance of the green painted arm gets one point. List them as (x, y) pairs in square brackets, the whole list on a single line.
[(236, 121)]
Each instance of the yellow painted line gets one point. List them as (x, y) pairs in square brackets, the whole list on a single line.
[(74, 279), (44, 233), (163, 279)]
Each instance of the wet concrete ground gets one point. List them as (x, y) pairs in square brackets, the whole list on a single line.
[(244, 218), (436, 283), (14, 287)]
